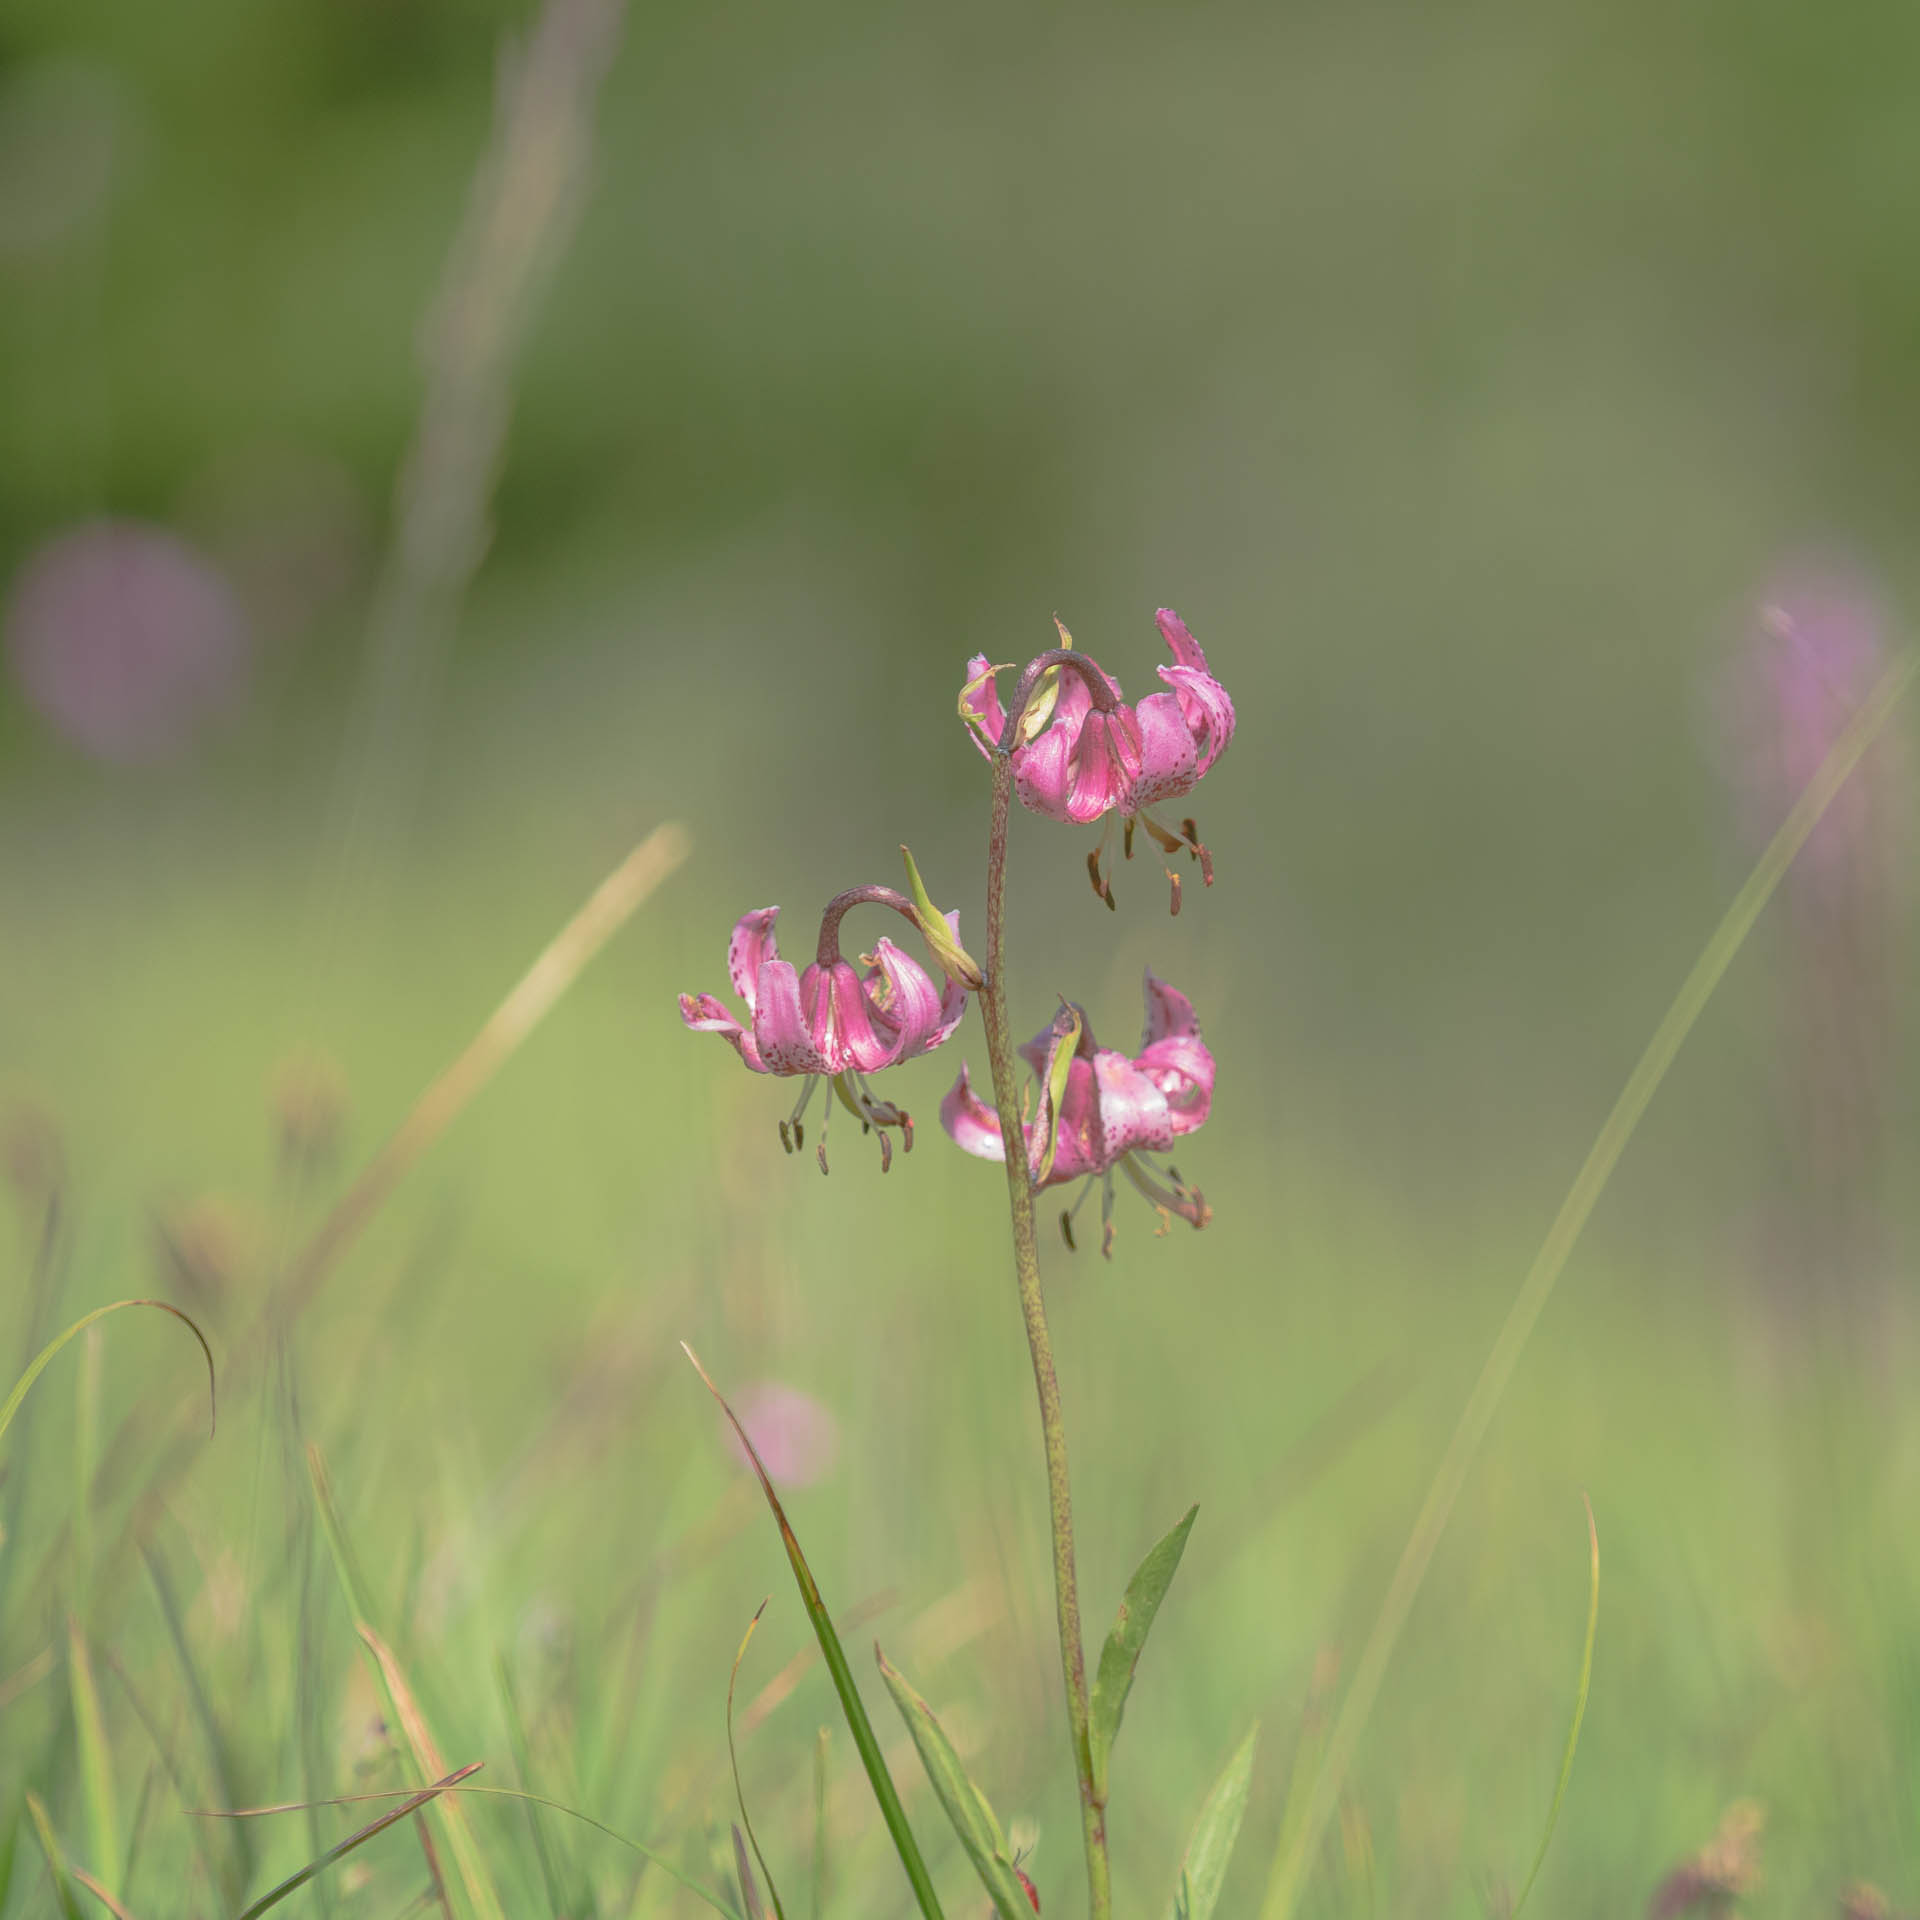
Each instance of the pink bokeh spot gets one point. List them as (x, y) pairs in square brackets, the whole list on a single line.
[(797, 1439), (125, 641)]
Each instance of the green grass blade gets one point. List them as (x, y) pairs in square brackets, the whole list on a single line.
[(233, 1869), (1203, 1872), (471, 1863), (1579, 1714), (966, 1806), (86, 1459), (314, 1868), (522, 1753), (822, 1747), (1291, 1863), (38, 1364), (56, 1860), (96, 1757), (740, 1792), (1121, 1654), (835, 1656), (718, 1902), (402, 1708)]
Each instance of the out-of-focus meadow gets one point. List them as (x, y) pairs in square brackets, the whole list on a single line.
[(1519, 403)]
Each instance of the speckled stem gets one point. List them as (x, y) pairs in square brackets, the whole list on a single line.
[(1026, 1266)]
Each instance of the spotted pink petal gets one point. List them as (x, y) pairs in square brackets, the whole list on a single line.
[(1133, 1110), (750, 948), (1204, 703), (847, 1029), (1208, 711), (971, 1124), (780, 1029), (704, 1014), (1169, 762)]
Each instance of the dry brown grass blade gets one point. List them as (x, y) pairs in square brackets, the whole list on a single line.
[(565, 957), (100, 1893), (467, 1857)]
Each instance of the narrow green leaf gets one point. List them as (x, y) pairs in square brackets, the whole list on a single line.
[(38, 1364), (402, 1708), (835, 1656), (966, 1805), (314, 1868), (1066, 1028), (1121, 1654), (86, 1455), (740, 1793), (96, 1758), (522, 1753), (56, 1860), (1579, 1711), (1204, 1870)]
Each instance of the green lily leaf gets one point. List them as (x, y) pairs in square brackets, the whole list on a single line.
[(966, 1805), (1121, 1654), (1204, 1870)]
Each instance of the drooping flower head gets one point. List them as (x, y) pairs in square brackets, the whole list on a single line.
[(834, 1021), (1079, 751), (1098, 1111)]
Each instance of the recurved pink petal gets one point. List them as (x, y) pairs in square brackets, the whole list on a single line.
[(704, 1014), (907, 1001), (786, 1043), (1169, 764), (1173, 630), (1207, 710), (751, 947), (980, 700), (971, 1124), (1181, 1066), (1168, 1011)]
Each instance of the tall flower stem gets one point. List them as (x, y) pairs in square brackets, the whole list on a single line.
[(1026, 1266)]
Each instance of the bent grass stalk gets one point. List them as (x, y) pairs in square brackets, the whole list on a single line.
[(1297, 1850), (459, 1783), (1033, 1309)]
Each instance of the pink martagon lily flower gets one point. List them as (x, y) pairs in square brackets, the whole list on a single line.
[(1114, 1113), (1092, 754), (833, 1021)]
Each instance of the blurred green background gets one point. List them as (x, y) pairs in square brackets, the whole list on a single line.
[(1467, 377)]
